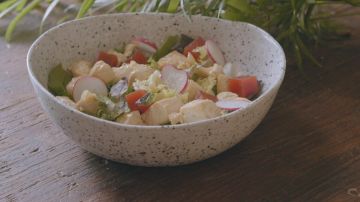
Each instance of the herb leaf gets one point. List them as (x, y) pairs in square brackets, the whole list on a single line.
[(57, 80)]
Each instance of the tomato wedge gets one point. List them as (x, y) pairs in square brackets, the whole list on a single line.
[(142, 107), (139, 57), (131, 99), (247, 86), (191, 46), (108, 58), (203, 96)]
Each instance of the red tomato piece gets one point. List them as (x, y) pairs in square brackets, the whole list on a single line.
[(131, 99), (139, 57), (108, 58), (247, 86), (203, 96), (142, 108), (191, 46)]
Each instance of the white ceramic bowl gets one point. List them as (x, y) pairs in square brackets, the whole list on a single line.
[(253, 50)]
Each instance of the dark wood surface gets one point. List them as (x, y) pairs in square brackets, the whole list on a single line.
[(306, 149)]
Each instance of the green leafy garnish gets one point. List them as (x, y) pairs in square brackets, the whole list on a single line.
[(207, 84), (153, 64), (183, 42), (57, 80), (85, 6), (129, 90), (109, 109), (167, 46)]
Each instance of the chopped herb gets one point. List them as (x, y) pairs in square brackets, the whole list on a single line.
[(109, 109), (153, 64)]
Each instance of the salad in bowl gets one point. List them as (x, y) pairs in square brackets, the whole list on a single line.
[(182, 80)]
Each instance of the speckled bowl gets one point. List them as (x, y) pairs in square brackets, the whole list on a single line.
[(253, 50)]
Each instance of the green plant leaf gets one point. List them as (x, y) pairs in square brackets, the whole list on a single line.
[(9, 9), (21, 5), (173, 6), (152, 6), (20, 16), (6, 4), (121, 5), (85, 6), (162, 6), (306, 52), (47, 14), (57, 80), (240, 5)]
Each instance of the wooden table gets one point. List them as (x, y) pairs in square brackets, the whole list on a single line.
[(306, 149)]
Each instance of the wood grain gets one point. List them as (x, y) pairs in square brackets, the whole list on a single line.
[(306, 149)]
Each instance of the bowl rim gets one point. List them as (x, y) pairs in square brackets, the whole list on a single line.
[(36, 82)]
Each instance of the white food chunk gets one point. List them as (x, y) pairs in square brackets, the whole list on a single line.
[(123, 71), (132, 72), (88, 103), (67, 101), (222, 83), (198, 110), (216, 69), (192, 89), (140, 73), (158, 113), (175, 118), (129, 49), (207, 71), (102, 71), (173, 58), (80, 68), (132, 118)]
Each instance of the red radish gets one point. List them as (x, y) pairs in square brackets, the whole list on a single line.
[(91, 84), (145, 44), (108, 58), (71, 84), (247, 86), (232, 105), (214, 52), (191, 46), (138, 57), (203, 96), (174, 78)]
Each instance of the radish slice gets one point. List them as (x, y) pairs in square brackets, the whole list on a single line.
[(174, 78), (201, 95), (91, 84), (232, 105), (145, 44), (214, 52)]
